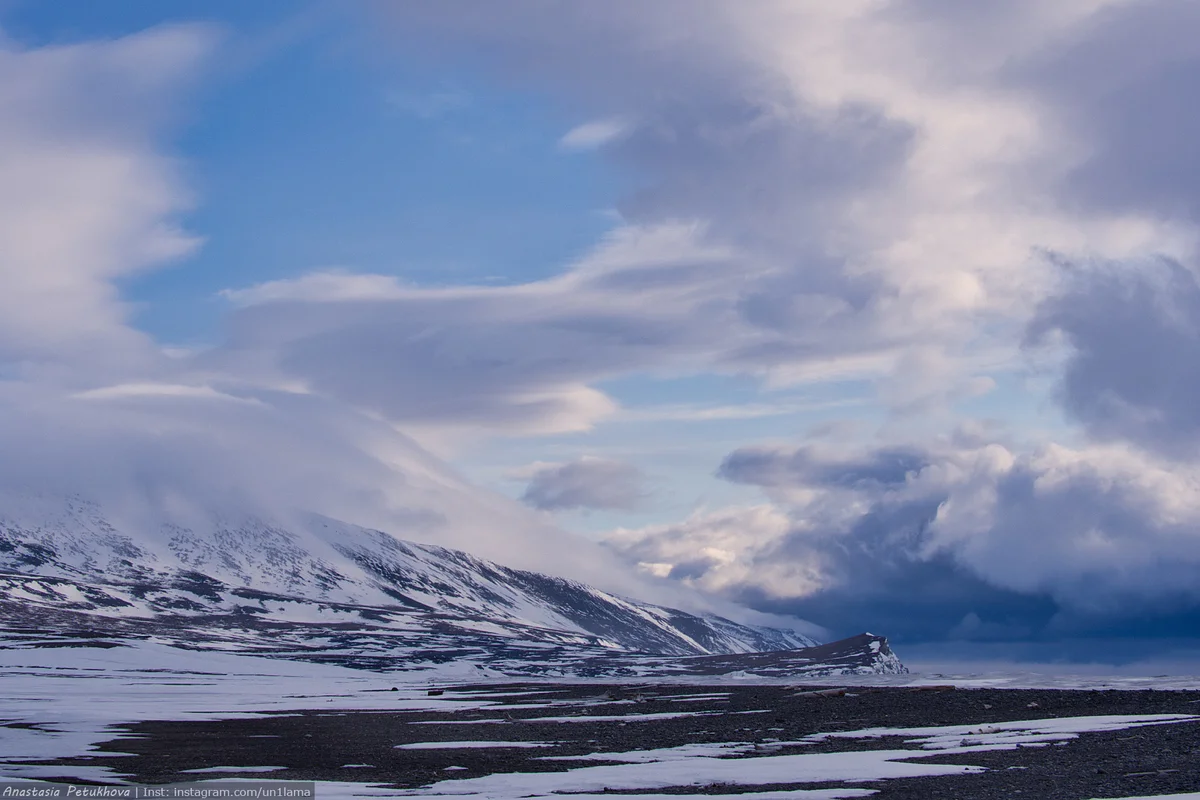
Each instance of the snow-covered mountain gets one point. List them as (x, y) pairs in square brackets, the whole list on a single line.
[(326, 590)]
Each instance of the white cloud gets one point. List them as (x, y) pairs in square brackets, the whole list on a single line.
[(723, 551), (826, 192), (886, 190), (317, 287), (699, 413), (594, 134), (131, 390), (84, 199), (508, 358)]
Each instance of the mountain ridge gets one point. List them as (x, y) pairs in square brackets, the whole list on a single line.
[(180, 569), (332, 591)]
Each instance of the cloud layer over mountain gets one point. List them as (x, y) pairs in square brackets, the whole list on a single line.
[(944, 200), (982, 212)]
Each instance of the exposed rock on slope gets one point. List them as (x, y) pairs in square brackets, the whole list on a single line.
[(330, 591)]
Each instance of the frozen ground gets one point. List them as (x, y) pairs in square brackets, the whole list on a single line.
[(156, 713)]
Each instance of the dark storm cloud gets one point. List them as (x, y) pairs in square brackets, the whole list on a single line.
[(972, 543), (1134, 368), (1128, 81)]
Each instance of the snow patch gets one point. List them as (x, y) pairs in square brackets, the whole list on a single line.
[(468, 745)]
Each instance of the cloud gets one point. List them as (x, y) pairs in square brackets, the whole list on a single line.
[(333, 285), (84, 198), (594, 134), (722, 551), (881, 219), (184, 457), (157, 390), (512, 358), (766, 467), (1132, 372), (823, 193), (589, 482), (1039, 543), (686, 412), (91, 407), (899, 191), (1142, 138)]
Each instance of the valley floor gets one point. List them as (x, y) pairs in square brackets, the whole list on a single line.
[(94, 715)]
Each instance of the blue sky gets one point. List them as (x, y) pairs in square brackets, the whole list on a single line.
[(850, 311), (309, 147)]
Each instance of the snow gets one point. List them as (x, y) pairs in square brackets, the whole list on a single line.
[(338, 791), (574, 717), (317, 571), (793, 794), (704, 764), (482, 721), (1021, 679), (233, 769), (71, 697), (1007, 735), (686, 751), (696, 699), (464, 745), (623, 717), (703, 771)]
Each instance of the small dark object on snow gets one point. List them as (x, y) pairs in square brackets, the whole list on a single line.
[(436, 692)]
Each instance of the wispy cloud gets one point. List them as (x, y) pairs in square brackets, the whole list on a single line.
[(83, 200), (720, 413), (586, 483), (595, 134)]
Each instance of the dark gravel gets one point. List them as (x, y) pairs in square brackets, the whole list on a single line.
[(318, 745)]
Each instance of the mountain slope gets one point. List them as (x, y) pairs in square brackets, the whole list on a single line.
[(326, 591), (52, 612), (323, 568)]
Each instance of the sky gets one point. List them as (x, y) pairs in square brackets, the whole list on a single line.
[(882, 314)]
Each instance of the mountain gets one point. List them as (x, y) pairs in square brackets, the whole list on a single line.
[(324, 590)]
